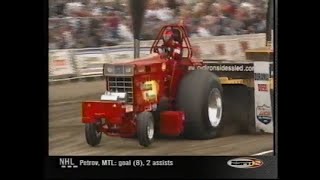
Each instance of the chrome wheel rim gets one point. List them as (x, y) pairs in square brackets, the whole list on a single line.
[(98, 132), (150, 130), (215, 107)]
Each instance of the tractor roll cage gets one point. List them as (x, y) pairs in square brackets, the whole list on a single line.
[(183, 37)]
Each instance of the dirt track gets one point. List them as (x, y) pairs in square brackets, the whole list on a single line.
[(75, 91), (66, 132)]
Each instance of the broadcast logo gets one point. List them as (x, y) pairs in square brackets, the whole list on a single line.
[(245, 163), (67, 163)]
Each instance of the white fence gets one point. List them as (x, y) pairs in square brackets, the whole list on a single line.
[(88, 62)]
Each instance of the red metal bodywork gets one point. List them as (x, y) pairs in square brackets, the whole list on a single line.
[(162, 76), (117, 120), (172, 123)]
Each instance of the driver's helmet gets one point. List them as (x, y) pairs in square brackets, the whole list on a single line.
[(167, 35)]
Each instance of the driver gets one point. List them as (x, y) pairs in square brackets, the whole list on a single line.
[(171, 48)]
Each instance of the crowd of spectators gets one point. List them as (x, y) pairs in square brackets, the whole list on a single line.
[(96, 23)]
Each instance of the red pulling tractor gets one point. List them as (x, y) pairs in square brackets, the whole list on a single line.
[(159, 95)]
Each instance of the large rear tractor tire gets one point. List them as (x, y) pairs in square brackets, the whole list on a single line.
[(200, 97), (145, 128), (93, 134)]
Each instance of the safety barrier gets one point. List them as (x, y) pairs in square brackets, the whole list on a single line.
[(77, 63), (61, 64)]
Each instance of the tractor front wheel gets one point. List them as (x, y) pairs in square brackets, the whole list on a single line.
[(145, 128), (93, 134)]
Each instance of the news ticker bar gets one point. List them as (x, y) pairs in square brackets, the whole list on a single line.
[(163, 167)]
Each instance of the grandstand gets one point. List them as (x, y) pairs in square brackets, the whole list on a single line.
[(97, 23)]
